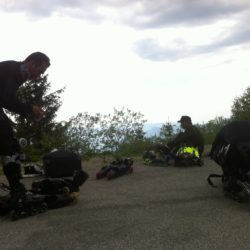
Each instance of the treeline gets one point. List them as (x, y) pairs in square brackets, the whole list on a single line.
[(119, 133)]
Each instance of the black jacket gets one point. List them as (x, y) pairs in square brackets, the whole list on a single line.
[(11, 79), (191, 137)]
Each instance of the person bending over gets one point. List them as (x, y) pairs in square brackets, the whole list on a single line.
[(12, 75)]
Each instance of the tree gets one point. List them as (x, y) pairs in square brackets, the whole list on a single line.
[(84, 134), (46, 134), (122, 127), (241, 106), (93, 134), (210, 129), (166, 131)]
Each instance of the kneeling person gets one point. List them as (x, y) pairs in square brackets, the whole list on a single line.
[(187, 146)]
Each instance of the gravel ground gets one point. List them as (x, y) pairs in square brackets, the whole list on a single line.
[(153, 208)]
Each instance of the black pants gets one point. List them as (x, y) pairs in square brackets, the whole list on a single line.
[(6, 135), (8, 148)]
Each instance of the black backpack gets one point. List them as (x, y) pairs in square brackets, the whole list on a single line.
[(61, 163)]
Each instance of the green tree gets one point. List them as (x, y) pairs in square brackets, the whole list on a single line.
[(84, 134), (122, 127), (210, 129), (46, 134), (93, 134), (166, 131), (241, 106)]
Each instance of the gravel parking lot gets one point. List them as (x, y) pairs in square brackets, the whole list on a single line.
[(153, 208)]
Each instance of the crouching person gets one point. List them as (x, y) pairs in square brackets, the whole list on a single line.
[(231, 151), (187, 147), (157, 155)]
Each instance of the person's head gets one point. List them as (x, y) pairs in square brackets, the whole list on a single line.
[(185, 121), (36, 64)]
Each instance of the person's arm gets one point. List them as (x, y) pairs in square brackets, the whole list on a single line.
[(176, 141), (182, 138), (11, 102)]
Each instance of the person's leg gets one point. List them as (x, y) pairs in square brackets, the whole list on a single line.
[(12, 171), (8, 151)]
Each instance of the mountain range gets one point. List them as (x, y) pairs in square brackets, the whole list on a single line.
[(152, 129)]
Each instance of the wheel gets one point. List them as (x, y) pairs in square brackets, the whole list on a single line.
[(30, 211), (110, 174), (65, 190), (44, 207)]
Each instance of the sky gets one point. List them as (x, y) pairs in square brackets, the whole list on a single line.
[(162, 58)]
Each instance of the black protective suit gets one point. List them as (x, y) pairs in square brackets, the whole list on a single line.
[(12, 76), (231, 150), (191, 137)]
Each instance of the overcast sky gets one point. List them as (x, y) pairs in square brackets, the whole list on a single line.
[(162, 58)]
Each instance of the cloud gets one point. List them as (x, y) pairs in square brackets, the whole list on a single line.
[(136, 13), (139, 14), (155, 50), (148, 15), (152, 50), (155, 14), (84, 9), (38, 9)]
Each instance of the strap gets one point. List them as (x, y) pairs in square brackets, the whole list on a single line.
[(213, 176)]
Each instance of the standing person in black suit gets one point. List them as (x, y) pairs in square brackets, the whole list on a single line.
[(12, 75)]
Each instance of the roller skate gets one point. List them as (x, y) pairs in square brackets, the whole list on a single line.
[(103, 172), (5, 205), (119, 171), (52, 196), (125, 167), (29, 205), (233, 190), (236, 196), (26, 203), (116, 168)]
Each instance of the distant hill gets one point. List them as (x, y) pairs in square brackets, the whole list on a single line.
[(152, 129)]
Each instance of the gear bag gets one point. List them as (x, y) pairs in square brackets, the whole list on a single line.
[(61, 163), (158, 155)]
